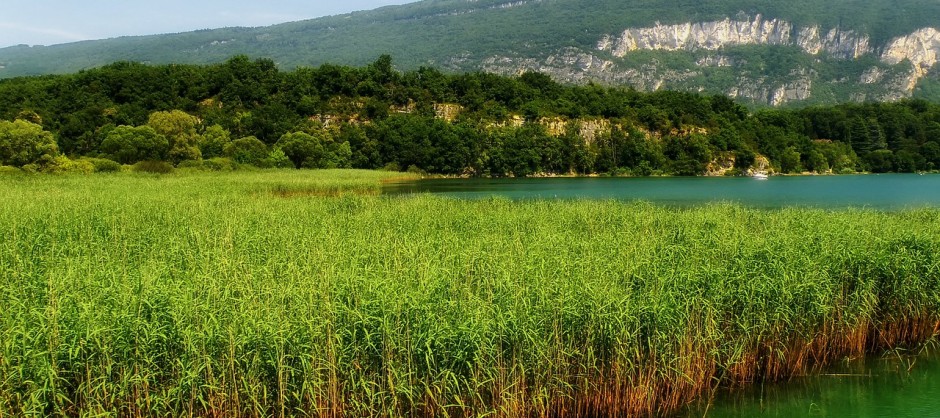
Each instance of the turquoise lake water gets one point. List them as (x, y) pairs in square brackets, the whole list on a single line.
[(887, 191)]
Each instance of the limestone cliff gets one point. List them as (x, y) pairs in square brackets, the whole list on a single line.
[(715, 35), (897, 66), (920, 48)]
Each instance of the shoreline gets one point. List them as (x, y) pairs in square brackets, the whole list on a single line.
[(549, 176)]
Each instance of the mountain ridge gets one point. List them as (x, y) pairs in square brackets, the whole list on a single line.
[(562, 38)]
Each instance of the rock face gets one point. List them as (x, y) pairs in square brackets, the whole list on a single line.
[(715, 35), (898, 66), (921, 48), (836, 43)]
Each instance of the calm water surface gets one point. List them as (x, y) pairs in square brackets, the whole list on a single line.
[(890, 386), (888, 191)]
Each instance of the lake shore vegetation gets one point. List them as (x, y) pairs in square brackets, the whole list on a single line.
[(249, 113), (301, 293)]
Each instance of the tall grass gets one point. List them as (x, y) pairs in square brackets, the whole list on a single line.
[(212, 295)]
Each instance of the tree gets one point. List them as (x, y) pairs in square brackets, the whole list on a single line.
[(213, 141), (404, 139), (690, 155), (179, 128), (880, 161), (277, 159), (520, 150), (931, 152), (365, 151), (247, 150), (790, 161), (129, 144), (817, 162), (744, 159), (23, 142), (301, 148), (316, 149)]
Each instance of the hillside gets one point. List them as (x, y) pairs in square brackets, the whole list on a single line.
[(759, 51)]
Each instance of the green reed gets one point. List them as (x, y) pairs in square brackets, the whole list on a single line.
[(300, 293)]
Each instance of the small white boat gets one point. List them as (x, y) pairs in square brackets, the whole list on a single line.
[(760, 176)]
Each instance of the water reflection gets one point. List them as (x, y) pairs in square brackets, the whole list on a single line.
[(899, 386)]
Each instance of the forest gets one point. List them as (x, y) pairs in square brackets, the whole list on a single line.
[(247, 112)]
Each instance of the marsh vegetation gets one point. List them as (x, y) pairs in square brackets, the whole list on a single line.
[(213, 294)]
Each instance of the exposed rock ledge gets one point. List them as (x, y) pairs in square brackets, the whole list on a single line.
[(921, 48), (717, 34)]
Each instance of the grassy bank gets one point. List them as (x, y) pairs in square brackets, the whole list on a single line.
[(259, 294)]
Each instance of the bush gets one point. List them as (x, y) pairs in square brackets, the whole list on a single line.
[(278, 159), (219, 164), (104, 165), (63, 165), (157, 167), (194, 164), (6, 169), (413, 169)]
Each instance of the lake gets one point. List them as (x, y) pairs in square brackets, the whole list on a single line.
[(886, 191), (897, 386)]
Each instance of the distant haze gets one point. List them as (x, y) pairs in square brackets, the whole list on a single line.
[(49, 22)]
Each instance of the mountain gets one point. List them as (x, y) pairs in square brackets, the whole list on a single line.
[(763, 52)]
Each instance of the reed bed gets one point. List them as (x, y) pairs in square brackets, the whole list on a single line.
[(204, 295)]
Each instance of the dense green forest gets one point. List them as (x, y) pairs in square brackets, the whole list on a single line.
[(248, 112)]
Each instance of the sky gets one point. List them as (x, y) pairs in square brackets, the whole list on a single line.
[(49, 22)]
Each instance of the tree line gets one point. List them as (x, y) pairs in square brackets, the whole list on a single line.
[(248, 112)]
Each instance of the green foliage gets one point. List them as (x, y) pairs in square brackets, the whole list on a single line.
[(247, 150), (462, 124), (155, 167), (190, 164), (316, 150), (880, 161), (219, 164), (790, 161), (104, 165), (213, 141), (179, 128), (278, 159), (61, 164), (744, 159), (302, 148), (23, 143), (129, 144), (9, 170), (690, 155)]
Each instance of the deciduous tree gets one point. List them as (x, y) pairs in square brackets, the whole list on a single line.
[(23, 142), (129, 144)]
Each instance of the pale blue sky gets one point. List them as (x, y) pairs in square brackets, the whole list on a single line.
[(48, 22)]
